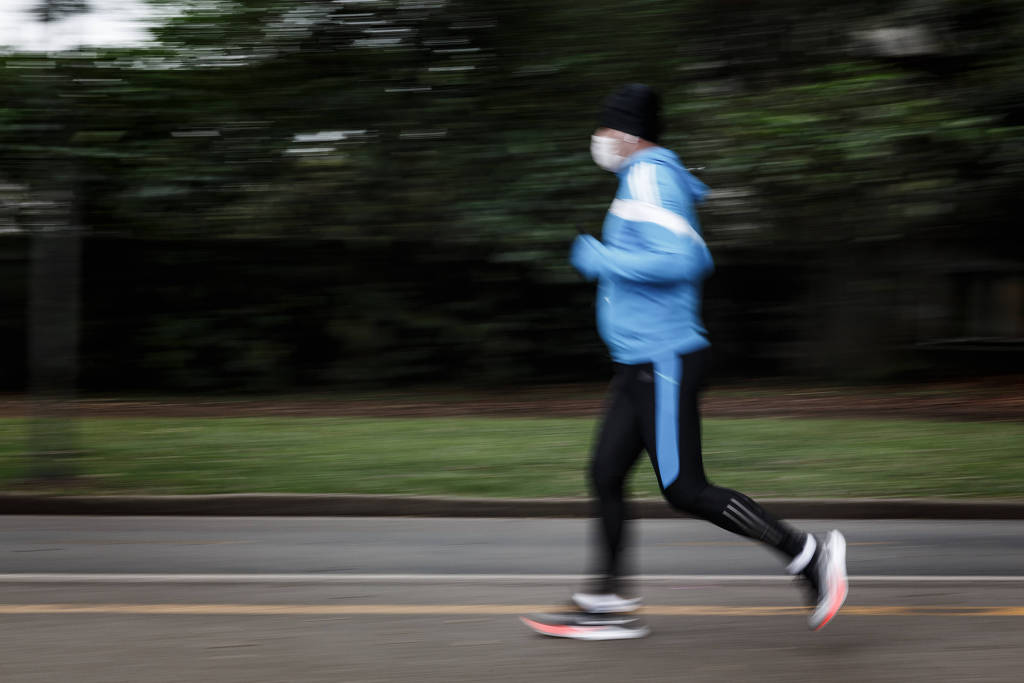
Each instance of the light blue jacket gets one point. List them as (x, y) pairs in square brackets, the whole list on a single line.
[(651, 261)]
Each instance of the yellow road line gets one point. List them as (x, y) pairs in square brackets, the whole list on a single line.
[(400, 610)]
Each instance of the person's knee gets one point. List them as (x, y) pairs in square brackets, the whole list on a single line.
[(685, 496)]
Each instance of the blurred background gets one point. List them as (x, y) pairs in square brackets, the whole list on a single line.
[(211, 197), (320, 246), (277, 195)]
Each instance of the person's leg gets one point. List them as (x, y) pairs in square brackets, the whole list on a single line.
[(681, 470), (618, 446), (670, 416)]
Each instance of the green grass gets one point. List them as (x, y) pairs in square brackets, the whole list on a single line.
[(521, 457)]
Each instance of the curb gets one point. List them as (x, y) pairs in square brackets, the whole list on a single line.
[(351, 505)]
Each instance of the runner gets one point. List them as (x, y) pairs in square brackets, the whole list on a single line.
[(649, 267)]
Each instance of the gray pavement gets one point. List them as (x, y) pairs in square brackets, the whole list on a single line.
[(254, 545), (306, 599), (863, 644)]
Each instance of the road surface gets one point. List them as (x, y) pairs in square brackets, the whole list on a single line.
[(256, 600)]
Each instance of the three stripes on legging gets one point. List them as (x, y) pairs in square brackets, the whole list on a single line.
[(751, 524)]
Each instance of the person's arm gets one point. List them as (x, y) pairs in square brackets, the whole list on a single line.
[(669, 258)]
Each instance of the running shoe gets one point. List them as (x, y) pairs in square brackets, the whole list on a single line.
[(829, 577)]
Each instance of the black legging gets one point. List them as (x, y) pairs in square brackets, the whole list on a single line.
[(629, 427)]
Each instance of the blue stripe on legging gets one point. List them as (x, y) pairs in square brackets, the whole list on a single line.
[(668, 373)]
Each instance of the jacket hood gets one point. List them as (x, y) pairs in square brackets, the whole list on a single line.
[(698, 190)]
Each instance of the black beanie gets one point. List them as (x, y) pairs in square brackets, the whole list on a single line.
[(633, 109)]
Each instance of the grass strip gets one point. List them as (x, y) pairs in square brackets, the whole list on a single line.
[(524, 457)]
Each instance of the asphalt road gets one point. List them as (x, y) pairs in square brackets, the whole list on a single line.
[(474, 546), (358, 600)]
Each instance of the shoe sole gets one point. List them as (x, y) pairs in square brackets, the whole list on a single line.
[(836, 549), (597, 632)]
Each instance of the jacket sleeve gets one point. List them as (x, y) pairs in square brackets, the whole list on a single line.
[(667, 258)]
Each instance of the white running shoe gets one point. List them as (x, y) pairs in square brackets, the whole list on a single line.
[(605, 603), (833, 585)]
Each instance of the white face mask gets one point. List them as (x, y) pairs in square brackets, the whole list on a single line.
[(605, 152)]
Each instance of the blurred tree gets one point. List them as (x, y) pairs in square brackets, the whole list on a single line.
[(54, 277), (866, 144)]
